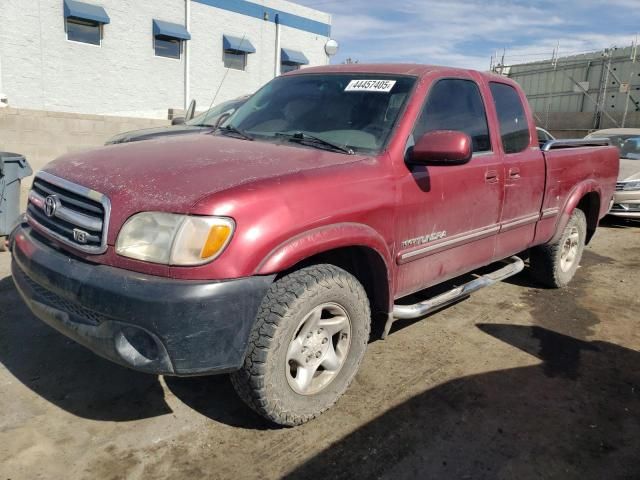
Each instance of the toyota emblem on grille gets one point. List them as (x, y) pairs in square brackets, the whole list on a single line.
[(51, 204)]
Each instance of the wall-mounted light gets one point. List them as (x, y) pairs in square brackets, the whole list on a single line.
[(331, 47)]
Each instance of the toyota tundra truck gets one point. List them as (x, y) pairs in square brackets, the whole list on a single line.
[(268, 248)]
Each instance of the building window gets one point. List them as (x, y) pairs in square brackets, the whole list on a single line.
[(291, 60), (168, 38), (168, 47), (235, 51), (288, 67), (84, 31), (83, 21), (235, 59)]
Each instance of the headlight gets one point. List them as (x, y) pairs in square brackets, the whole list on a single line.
[(173, 239), (632, 185)]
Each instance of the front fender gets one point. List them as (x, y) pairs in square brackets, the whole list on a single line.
[(323, 239)]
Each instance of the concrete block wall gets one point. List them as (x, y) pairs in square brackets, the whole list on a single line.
[(43, 136)]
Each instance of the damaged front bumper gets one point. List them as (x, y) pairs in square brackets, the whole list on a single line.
[(147, 323)]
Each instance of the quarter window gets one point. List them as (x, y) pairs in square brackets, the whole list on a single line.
[(455, 104), (514, 129), (84, 31)]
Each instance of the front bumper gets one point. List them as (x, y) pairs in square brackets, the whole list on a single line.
[(147, 323)]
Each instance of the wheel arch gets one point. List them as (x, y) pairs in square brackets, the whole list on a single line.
[(586, 197), (356, 248)]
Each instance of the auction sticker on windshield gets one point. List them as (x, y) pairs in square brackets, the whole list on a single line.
[(370, 86)]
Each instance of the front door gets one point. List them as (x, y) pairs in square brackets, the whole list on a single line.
[(450, 214)]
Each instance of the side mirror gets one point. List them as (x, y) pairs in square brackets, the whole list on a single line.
[(177, 121), (191, 111), (442, 147)]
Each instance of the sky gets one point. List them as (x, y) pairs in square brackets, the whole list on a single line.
[(466, 33)]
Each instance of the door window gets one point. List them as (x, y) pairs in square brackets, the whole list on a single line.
[(455, 104)]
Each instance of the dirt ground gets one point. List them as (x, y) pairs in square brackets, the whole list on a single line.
[(516, 382)]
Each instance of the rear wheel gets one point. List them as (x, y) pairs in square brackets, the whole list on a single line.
[(306, 346), (554, 265)]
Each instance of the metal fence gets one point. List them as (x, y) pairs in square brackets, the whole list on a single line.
[(580, 92)]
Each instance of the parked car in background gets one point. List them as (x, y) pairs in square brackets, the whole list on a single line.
[(626, 201), (203, 123), (543, 136)]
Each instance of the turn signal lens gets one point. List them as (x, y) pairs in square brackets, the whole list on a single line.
[(217, 239)]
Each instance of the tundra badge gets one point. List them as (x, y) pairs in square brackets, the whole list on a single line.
[(424, 239)]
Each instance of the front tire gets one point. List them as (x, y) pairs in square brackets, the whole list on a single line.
[(306, 345), (554, 265)]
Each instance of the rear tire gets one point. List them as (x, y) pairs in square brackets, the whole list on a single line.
[(306, 345), (555, 264)]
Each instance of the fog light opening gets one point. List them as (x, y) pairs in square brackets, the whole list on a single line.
[(136, 346)]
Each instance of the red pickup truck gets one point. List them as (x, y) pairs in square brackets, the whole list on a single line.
[(268, 248)]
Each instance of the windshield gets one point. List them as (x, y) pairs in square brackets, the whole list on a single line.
[(629, 145), (211, 116), (343, 111)]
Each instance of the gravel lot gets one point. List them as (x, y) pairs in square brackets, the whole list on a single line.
[(516, 382)]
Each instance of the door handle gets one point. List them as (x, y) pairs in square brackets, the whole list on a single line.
[(514, 173), (491, 176)]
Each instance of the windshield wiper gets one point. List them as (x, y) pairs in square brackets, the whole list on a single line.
[(231, 129), (311, 140)]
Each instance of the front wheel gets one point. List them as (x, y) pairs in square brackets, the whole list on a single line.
[(306, 345), (554, 265)]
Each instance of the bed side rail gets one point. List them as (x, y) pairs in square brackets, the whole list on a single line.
[(570, 143)]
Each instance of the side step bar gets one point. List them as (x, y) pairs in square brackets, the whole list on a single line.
[(514, 265)]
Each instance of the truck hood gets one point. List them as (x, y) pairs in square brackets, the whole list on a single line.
[(150, 133), (171, 174)]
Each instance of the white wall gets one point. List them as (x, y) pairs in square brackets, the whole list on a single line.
[(42, 70)]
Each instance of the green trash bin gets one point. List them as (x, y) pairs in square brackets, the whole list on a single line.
[(13, 168)]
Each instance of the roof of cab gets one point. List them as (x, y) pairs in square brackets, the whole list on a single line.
[(413, 69)]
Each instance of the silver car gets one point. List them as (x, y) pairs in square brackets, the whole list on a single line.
[(626, 201)]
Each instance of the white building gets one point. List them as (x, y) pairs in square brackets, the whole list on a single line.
[(142, 57)]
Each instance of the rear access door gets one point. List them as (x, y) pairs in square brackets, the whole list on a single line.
[(523, 170)]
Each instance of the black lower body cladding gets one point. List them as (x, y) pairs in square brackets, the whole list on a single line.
[(144, 322)]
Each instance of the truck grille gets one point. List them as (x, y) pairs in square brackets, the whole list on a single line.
[(619, 186), (69, 213)]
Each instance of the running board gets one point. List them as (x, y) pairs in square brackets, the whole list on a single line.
[(400, 312)]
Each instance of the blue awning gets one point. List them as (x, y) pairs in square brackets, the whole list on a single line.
[(172, 30), (85, 11), (237, 44), (293, 57)]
